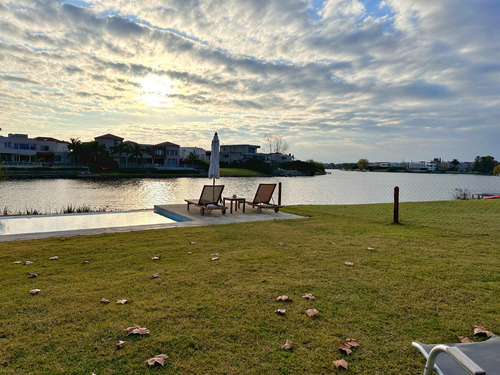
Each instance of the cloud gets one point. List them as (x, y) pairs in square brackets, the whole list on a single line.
[(350, 73)]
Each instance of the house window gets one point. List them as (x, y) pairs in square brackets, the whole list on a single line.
[(24, 146), (45, 148), (7, 144), (158, 152)]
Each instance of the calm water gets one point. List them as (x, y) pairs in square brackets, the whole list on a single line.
[(339, 187)]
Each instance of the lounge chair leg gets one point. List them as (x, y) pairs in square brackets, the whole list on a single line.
[(202, 211)]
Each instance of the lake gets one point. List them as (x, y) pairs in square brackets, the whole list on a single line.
[(338, 187)]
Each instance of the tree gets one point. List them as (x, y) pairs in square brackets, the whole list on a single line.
[(123, 149), (363, 163), (76, 149), (455, 163), (484, 164), (137, 153), (496, 170), (276, 143)]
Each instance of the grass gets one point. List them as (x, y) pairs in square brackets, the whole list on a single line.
[(427, 280), (238, 172)]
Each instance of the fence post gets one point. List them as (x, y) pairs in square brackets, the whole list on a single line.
[(396, 205), (279, 193)]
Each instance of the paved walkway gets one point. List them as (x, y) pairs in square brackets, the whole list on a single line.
[(193, 217)]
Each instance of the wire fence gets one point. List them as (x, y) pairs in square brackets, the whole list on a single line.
[(425, 198)]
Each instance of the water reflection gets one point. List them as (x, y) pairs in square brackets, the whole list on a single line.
[(339, 187)]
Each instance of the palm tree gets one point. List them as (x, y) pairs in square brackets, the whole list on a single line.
[(75, 147), (122, 149)]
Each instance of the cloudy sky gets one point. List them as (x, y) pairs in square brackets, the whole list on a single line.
[(339, 79)]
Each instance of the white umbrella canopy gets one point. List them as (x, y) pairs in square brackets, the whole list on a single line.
[(213, 170)]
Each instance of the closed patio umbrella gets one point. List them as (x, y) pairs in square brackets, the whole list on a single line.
[(213, 170)]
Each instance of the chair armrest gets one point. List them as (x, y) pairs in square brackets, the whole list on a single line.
[(460, 357)]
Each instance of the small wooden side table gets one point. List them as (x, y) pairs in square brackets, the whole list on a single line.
[(237, 202)]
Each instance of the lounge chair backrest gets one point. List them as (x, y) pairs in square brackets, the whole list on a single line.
[(264, 193), (211, 194)]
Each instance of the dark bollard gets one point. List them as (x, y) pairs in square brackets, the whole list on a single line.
[(396, 205), (279, 193)]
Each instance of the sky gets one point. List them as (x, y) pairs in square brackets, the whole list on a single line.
[(340, 80)]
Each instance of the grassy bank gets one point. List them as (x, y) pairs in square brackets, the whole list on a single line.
[(425, 280)]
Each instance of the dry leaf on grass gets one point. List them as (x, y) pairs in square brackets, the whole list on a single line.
[(86, 261), (284, 298), (122, 301), (193, 243), (155, 258), (17, 262), (464, 340), (137, 330), (155, 275), (104, 300), (341, 363), (120, 344), (214, 258), (312, 313), (28, 262), (350, 264), (160, 359), (34, 291), (371, 248), (32, 275), (54, 258), (280, 311), (189, 253), (287, 345), (281, 244), (481, 331), (214, 254), (308, 296), (352, 343), (344, 347)]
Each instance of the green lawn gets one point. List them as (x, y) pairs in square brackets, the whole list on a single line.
[(239, 172), (426, 280)]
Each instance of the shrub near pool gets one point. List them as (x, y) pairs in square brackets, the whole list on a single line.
[(426, 283)]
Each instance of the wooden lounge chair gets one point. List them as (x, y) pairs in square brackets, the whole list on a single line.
[(264, 198), (210, 199), (477, 358)]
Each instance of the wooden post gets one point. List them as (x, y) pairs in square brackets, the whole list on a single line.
[(396, 205), (279, 193)]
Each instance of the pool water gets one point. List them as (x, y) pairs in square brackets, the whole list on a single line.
[(92, 220)]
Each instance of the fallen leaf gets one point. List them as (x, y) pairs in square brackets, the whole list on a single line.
[(160, 359), (28, 262), (122, 301), (280, 311), (54, 258), (342, 346), (215, 258), (371, 248), (32, 275), (332, 243), (193, 243), (350, 264), (308, 296), (481, 331), (281, 244), (284, 298), (17, 262), (312, 313), (464, 340), (86, 261), (352, 343), (120, 344), (288, 345), (341, 363), (104, 300), (155, 258), (214, 254), (34, 291), (189, 253), (155, 275), (137, 330)]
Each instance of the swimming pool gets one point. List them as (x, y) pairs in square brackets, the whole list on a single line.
[(83, 221)]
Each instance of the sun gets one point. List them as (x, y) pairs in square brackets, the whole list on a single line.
[(155, 91)]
